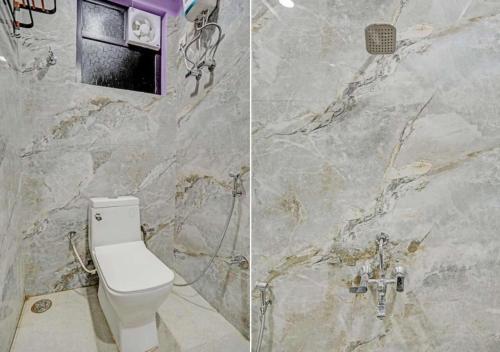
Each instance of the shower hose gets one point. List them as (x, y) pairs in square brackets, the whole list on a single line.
[(261, 330), (236, 193)]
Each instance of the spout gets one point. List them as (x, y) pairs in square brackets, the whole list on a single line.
[(381, 311)]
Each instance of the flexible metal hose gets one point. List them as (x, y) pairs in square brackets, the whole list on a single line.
[(87, 270), (261, 330), (226, 226)]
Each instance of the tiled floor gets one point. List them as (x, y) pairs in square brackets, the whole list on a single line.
[(75, 323)]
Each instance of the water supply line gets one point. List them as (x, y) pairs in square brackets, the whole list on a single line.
[(87, 270), (205, 52), (265, 302), (237, 192)]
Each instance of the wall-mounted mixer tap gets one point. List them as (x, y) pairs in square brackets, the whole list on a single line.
[(366, 278), (239, 260)]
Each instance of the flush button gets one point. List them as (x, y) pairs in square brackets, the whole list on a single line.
[(98, 217)]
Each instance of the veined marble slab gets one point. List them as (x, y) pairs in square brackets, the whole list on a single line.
[(346, 145), (11, 275), (213, 122)]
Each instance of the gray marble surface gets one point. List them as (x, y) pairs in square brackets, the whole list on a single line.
[(11, 276), (173, 152), (213, 124), (346, 145)]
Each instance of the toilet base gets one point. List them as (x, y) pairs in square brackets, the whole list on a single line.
[(137, 338)]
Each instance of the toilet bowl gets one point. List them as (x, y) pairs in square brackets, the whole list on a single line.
[(133, 282)]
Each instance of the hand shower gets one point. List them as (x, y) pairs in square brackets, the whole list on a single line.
[(265, 302), (236, 192)]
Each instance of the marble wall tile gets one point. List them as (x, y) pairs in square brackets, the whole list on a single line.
[(346, 145), (11, 275), (212, 141), (82, 141)]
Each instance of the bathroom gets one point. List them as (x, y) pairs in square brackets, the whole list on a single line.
[(349, 144), (249, 175), (74, 129)]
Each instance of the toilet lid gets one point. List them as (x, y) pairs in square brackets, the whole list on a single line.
[(131, 267)]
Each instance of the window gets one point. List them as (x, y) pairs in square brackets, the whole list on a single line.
[(103, 56)]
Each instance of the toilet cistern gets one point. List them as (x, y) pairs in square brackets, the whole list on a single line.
[(367, 279)]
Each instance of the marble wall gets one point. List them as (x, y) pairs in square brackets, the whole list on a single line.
[(11, 276), (346, 145), (81, 141), (213, 122)]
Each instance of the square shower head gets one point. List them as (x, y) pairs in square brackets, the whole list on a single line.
[(380, 39)]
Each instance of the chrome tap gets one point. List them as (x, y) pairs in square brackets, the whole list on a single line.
[(238, 189), (366, 278), (265, 301), (240, 260)]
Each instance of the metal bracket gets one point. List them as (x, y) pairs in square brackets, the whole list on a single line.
[(41, 9), (18, 5)]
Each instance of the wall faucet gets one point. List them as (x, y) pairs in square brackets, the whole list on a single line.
[(366, 278), (240, 260), (238, 189)]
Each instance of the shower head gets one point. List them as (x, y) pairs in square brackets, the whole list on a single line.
[(380, 39)]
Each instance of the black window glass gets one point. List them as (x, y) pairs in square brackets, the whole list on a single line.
[(103, 55), (102, 21)]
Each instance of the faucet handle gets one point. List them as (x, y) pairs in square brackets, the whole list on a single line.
[(364, 273), (358, 289), (365, 270), (400, 274)]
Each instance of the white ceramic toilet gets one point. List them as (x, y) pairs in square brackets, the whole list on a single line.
[(133, 282)]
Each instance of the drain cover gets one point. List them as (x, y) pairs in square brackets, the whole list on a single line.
[(41, 306), (380, 39)]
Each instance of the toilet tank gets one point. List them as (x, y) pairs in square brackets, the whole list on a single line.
[(113, 221)]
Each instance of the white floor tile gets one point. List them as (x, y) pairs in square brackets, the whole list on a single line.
[(75, 323)]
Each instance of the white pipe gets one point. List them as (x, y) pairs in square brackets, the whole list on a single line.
[(89, 271)]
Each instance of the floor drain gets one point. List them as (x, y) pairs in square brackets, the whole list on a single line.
[(41, 306)]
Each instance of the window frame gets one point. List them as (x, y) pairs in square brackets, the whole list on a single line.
[(81, 35)]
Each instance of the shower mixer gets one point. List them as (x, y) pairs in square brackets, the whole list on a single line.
[(367, 278)]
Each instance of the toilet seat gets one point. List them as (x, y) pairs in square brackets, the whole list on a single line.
[(131, 268)]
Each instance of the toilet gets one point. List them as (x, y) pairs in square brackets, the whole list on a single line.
[(133, 282)]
